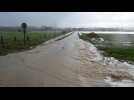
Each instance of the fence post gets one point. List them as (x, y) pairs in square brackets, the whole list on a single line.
[(28, 38), (15, 38), (2, 41)]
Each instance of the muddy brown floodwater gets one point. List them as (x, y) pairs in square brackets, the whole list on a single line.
[(69, 62)]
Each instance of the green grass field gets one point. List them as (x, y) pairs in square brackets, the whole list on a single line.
[(126, 54), (14, 41), (111, 49)]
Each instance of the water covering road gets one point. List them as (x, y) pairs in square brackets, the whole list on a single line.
[(68, 62)]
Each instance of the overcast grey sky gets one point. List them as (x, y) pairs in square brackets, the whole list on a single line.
[(69, 19)]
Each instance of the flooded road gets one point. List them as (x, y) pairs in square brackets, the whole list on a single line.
[(67, 62)]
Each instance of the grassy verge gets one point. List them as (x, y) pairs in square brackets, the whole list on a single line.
[(13, 41), (118, 52)]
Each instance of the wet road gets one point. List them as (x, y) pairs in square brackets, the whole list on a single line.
[(68, 62)]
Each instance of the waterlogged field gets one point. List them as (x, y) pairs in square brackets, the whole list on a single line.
[(14, 41), (119, 46)]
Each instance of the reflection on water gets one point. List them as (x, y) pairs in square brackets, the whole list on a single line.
[(121, 39), (118, 39)]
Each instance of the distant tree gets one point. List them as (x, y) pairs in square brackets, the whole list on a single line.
[(24, 28), (63, 31)]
